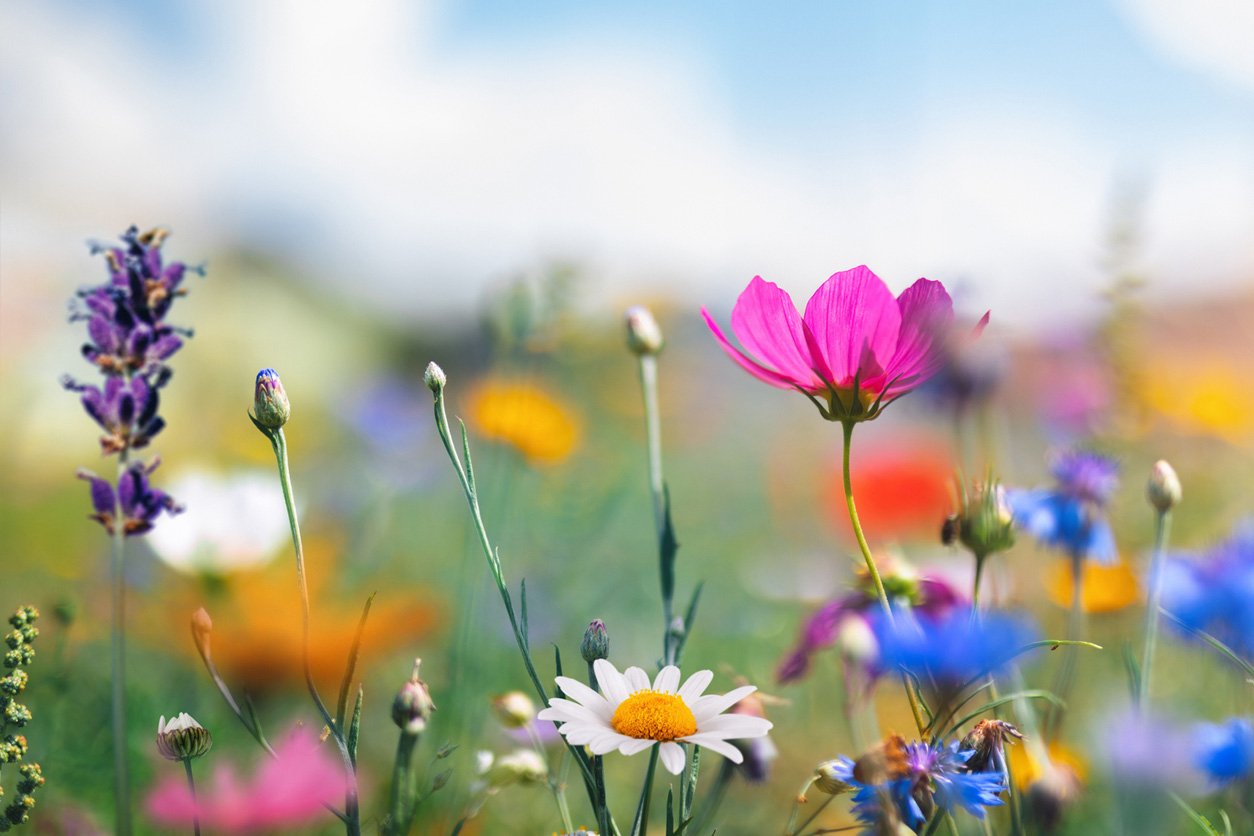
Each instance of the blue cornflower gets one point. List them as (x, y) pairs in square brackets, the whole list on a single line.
[(908, 782), (1225, 753), (1215, 593), (947, 651), (1070, 516)]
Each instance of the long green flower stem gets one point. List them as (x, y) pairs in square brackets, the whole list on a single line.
[(598, 772), (657, 493), (117, 660), (466, 476), (1066, 670), (191, 787), (402, 785), (872, 569), (352, 819), (1162, 528), (557, 787)]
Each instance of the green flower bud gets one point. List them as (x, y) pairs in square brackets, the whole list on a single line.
[(827, 778), (182, 738), (413, 706), (434, 377), (1163, 489), (987, 526), (524, 766), (271, 408), (643, 334), (596, 642)]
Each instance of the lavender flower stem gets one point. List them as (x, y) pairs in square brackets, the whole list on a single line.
[(874, 571), (1162, 529), (121, 770), (352, 816)]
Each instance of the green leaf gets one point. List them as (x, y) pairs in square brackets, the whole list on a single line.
[(1215, 643), (668, 547), (354, 727), (670, 813), (1133, 669), (346, 683), (690, 615), (445, 750), (470, 468), (522, 594), (690, 788), (1201, 821)]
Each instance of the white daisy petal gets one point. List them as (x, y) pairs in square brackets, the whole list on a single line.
[(612, 683), (695, 686), (583, 735), (672, 757), (572, 712), (635, 746), (607, 742), (735, 725), (637, 679), (713, 704), (667, 680), (584, 695), (716, 744)]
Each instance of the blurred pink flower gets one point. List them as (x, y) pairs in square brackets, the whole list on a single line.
[(287, 790), (856, 347)]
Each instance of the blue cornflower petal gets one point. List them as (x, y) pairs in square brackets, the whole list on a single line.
[(1225, 753)]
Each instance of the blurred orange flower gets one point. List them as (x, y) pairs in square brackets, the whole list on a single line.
[(903, 491), (1208, 395), (257, 623), (1027, 768), (526, 417), (1106, 588)]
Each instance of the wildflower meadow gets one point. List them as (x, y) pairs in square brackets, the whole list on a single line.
[(920, 545)]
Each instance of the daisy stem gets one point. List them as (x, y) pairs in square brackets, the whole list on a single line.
[(191, 787), (872, 569), (117, 658), (352, 817), (600, 805), (641, 825), (555, 786), (657, 491), (1162, 528)]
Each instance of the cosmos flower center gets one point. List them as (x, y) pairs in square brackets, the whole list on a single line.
[(654, 715)]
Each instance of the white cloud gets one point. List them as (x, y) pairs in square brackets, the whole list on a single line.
[(349, 143)]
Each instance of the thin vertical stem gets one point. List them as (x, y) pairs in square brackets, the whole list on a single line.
[(352, 817), (555, 786), (1162, 528), (401, 796), (117, 657), (1066, 670), (975, 585), (191, 787), (874, 571), (653, 429), (641, 824)]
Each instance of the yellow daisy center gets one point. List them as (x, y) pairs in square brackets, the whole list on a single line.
[(653, 715)]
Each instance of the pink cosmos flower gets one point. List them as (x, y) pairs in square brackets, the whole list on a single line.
[(288, 790), (854, 351)]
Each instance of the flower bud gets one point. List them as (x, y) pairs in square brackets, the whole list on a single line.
[(271, 408), (644, 337), (413, 706), (987, 527), (182, 738), (829, 778), (596, 642), (434, 377), (514, 709), (202, 628), (523, 766), (1163, 489)]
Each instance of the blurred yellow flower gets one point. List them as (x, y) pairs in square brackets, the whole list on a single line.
[(1106, 588), (1208, 396), (524, 416), (1027, 768)]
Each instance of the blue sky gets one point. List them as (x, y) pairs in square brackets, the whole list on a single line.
[(393, 145)]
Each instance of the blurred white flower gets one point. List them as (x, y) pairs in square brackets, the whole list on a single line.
[(233, 521)]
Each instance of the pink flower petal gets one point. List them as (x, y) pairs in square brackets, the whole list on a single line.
[(854, 319), (927, 315), (745, 362), (766, 322)]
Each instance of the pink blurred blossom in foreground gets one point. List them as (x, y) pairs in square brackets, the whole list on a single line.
[(855, 347), (287, 790)]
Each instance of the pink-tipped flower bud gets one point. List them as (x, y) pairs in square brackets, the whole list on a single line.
[(596, 642), (643, 334), (1163, 489), (271, 408), (413, 706)]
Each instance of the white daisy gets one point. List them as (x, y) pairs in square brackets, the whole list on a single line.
[(634, 714)]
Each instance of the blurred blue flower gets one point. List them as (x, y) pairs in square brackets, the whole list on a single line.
[(908, 782), (1225, 753), (1070, 516), (951, 649), (1215, 593)]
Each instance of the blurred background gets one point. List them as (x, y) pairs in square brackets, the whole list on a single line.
[(486, 184)]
